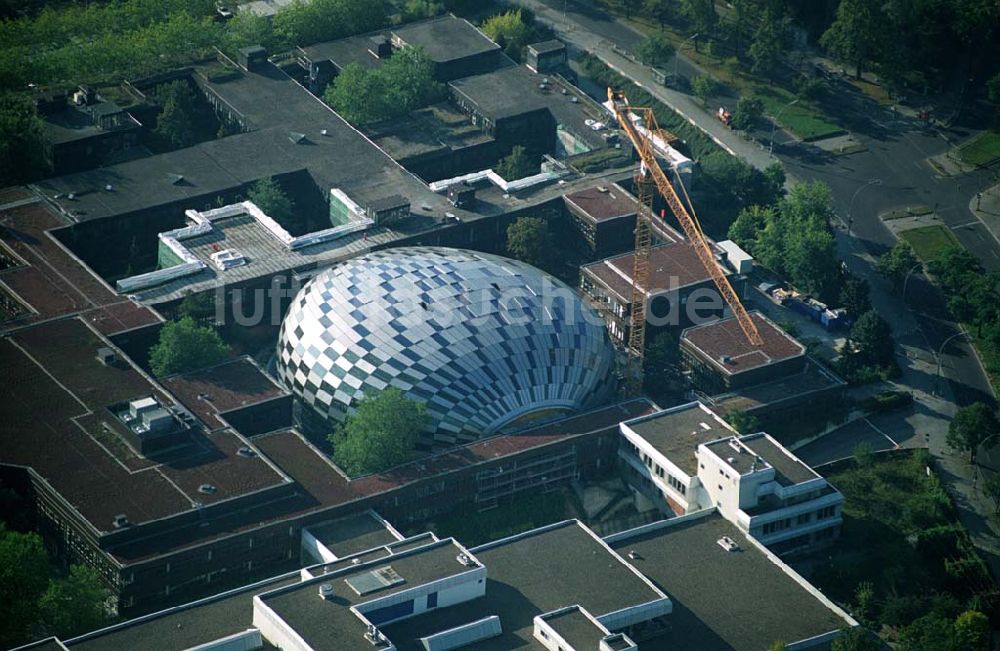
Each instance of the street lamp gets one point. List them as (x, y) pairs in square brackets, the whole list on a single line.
[(963, 333), (774, 123), (677, 53), (907, 279), (850, 206)]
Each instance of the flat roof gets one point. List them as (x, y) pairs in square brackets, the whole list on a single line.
[(788, 469), (677, 432), (534, 573), (446, 38), (186, 626), (507, 91), (742, 600), (672, 265), (55, 420), (813, 377), (51, 281), (230, 385), (603, 202), (345, 51), (577, 629), (330, 624), (725, 338), (547, 46), (428, 130), (75, 123), (353, 534)]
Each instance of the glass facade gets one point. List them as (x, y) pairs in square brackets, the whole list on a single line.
[(480, 339)]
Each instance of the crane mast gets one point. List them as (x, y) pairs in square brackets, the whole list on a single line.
[(650, 173)]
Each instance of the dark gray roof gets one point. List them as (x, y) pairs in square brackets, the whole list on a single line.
[(532, 574), (676, 433), (788, 470), (547, 46), (186, 626), (353, 534), (511, 90), (447, 38), (578, 630), (330, 624), (725, 600)]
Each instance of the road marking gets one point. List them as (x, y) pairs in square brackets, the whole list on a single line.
[(974, 222)]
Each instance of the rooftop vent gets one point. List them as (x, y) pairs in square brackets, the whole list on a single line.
[(246, 452), (728, 544), (633, 555), (121, 521), (175, 179), (227, 259), (602, 188), (465, 560), (374, 636), (725, 359), (109, 188), (106, 356), (326, 591), (207, 489), (296, 137), (355, 561)]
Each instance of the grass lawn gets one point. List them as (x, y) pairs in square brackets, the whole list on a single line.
[(900, 533), (929, 241), (983, 150), (528, 511)]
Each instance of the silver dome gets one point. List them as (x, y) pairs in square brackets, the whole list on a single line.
[(482, 341)]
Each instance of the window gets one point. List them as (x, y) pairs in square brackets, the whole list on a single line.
[(677, 485), (826, 512), (777, 525), (432, 600), (804, 518)]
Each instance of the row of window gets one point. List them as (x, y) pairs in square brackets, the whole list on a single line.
[(656, 469), (778, 525)]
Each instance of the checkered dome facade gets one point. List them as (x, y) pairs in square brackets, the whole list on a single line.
[(479, 339)]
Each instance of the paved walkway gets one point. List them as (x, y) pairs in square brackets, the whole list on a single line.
[(934, 404)]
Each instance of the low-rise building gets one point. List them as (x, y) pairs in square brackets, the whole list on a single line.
[(604, 216), (686, 459), (547, 56)]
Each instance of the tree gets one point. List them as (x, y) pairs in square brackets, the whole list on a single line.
[(25, 154), (24, 573), (75, 604), (380, 434), (517, 164), (744, 422), (404, 83), (972, 631), (991, 487), (267, 194), (176, 120), (970, 426), (811, 261), (897, 262), (305, 23), (855, 639), (630, 5), (854, 296), (871, 341), (420, 9), (662, 364), (778, 645), (654, 50), (864, 597), (769, 43), (747, 114), (701, 16), (661, 10), (704, 87), (184, 346), (200, 307), (510, 31), (928, 633), (529, 240), (857, 32)]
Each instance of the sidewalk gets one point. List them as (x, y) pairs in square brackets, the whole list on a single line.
[(986, 207)]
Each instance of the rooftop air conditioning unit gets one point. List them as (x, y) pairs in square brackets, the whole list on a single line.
[(326, 591), (465, 559), (121, 521), (207, 489), (728, 544)]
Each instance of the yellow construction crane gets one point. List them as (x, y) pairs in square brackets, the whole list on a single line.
[(650, 173)]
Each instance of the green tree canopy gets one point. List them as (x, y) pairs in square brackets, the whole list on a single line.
[(855, 296), (24, 574), (661, 10), (769, 43), (529, 240), (744, 422), (200, 307), (517, 164), (858, 32), (747, 114), (75, 604), (662, 365), (870, 343), (380, 434), (510, 30), (897, 262), (305, 23), (972, 631), (404, 83), (25, 154), (855, 639), (701, 16), (184, 346), (267, 194), (971, 426), (176, 120), (654, 50), (704, 87)]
